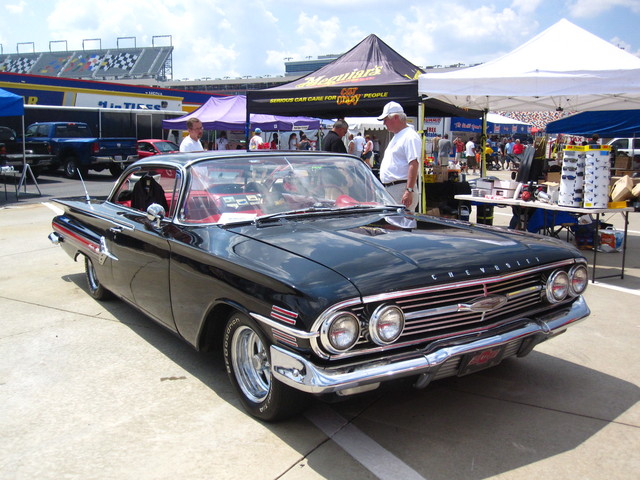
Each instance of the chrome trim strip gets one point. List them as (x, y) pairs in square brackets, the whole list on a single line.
[(291, 331), (300, 373)]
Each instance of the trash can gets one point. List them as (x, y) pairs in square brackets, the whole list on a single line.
[(484, 214)]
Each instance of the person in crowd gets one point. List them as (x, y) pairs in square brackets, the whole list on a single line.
[(376, 145), (304, 144), (222, 143), (444, 150), (293, 142), (191, 143), (274, 142), (459, 148), (399, 166), (351, 148), (508, 150), (367, 152), (359, 142), (470, 153), (256, 140), (594, 140), (333, 140), (435, 148)]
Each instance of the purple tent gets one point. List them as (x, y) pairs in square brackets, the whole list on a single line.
[(230, 113)]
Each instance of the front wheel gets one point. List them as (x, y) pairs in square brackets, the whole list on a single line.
[(248, 363), (96, 289)]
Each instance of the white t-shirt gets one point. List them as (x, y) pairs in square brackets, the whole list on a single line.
[(188, 144), (222, 143), (255, 142), (469, 149), (359, 142), (404, 147)]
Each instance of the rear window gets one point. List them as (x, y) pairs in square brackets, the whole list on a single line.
[(72, 130)]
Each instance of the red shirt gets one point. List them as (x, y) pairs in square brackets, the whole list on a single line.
[(518, 148)]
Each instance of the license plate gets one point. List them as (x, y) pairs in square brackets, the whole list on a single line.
[(118, 158), (476, 361)]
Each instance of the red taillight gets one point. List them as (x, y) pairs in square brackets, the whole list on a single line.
[(3, 150), (95, 147)]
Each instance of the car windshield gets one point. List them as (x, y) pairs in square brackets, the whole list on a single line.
[(246, 188), (167, 147)]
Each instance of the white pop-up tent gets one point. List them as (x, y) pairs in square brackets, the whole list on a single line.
[(562, 68)]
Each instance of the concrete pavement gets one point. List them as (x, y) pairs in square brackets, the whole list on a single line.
[(93, 390)]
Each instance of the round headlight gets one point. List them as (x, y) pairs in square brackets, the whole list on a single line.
[(340, 332), (557, 286), (386, 325), (579, 279)]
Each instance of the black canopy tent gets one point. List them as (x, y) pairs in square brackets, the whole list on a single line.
[(357, 84)]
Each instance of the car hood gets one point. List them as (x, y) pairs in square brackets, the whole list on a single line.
[(376, 255)]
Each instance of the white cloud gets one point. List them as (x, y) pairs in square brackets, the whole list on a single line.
[(16, 7), (593, 8)]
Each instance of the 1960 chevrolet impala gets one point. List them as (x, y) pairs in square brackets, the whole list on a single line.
[(301, 267)]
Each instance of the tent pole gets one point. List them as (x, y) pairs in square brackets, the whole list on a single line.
[(483, 143), (423, 194), (26, 168), (247, 127)]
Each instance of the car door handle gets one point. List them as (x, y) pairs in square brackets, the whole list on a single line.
[(117, 229)]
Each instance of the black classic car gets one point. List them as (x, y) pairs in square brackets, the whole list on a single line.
[(311, 279)]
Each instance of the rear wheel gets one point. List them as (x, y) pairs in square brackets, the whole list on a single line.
[(248, 363), (115, 170), (71, 168), (96, 289)]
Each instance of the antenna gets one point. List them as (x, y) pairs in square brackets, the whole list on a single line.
[(84, 186)]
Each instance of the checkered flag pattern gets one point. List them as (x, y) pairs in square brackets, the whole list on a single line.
[(17, 65), (121, 61)]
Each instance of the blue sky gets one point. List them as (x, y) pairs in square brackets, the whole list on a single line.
[(216, 39)]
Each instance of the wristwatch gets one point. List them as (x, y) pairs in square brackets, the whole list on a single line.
[(410, 190)]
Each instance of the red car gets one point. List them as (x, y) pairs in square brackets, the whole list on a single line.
[(154, 146)]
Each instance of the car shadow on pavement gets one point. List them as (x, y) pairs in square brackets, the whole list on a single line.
[(518, 413)]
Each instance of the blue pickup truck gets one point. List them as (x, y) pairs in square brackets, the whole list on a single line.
[(75, 149)]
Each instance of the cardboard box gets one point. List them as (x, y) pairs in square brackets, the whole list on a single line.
[(554, 177), (622, 189), (441, 172), (484, 184), (636, 190), (622, 162)]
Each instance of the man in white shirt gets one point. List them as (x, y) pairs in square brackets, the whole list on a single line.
[(256, 140), (399, 167), (359, 143), (191, 143)]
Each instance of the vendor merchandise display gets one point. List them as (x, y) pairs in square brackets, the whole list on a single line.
[(586, 173)]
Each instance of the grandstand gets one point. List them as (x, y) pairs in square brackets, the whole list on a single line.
[(101, 64)]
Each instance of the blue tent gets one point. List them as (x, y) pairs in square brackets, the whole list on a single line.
[(606, 123), (10, 104)]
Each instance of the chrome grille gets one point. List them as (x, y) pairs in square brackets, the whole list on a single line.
[(435, 315)]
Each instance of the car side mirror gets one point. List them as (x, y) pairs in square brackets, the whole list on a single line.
[(155, 213)]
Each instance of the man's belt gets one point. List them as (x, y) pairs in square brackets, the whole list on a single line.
[(397, 182)]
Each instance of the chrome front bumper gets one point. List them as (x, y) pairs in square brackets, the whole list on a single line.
[(298, 372)]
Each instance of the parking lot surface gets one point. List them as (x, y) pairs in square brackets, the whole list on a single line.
[(96, 390)]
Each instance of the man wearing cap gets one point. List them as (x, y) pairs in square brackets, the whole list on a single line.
[(333, 140), (399, 166), (191, 143), (256, 140)]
